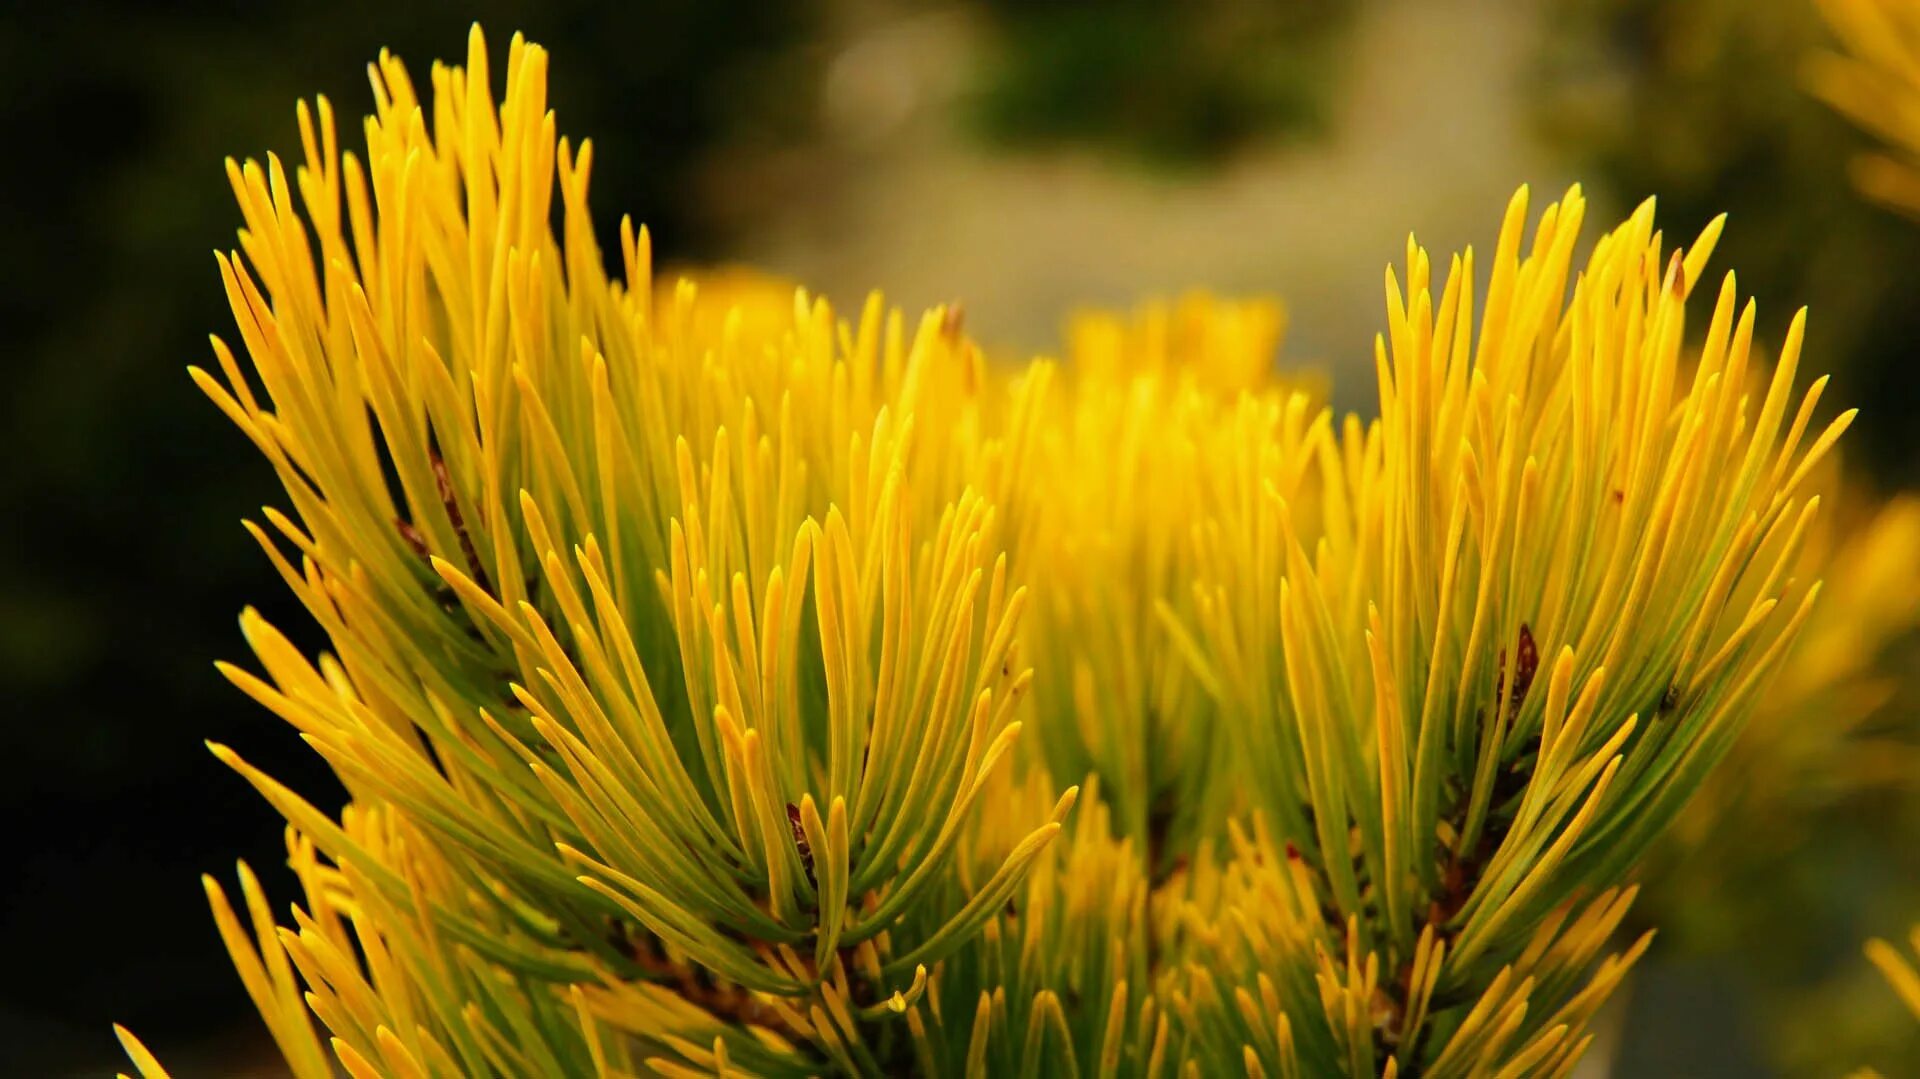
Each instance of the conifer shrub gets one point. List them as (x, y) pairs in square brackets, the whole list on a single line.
[(725, 683)]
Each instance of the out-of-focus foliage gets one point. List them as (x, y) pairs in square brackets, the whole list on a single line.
[(1902, 977), (1875, 81), (1164, 82), (1899, 969)]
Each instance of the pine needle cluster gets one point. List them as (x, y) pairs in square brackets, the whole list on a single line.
[(1875, 82), (727, 684)]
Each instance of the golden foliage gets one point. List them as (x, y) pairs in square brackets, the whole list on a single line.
[(686, 640)]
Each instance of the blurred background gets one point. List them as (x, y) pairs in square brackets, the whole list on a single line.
[(1023, 158)]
